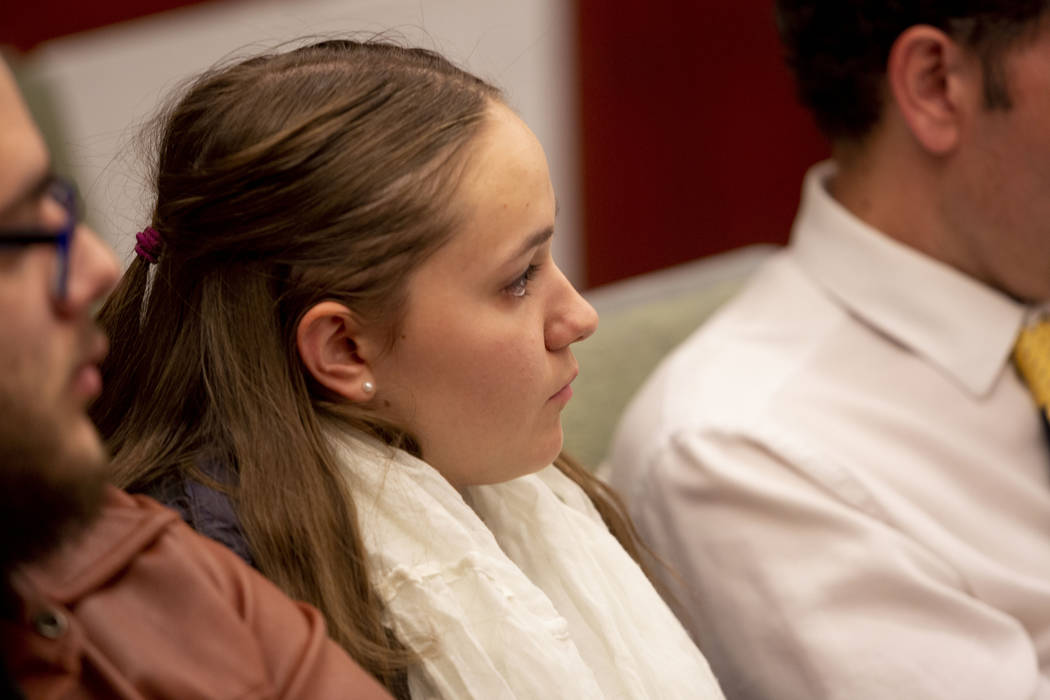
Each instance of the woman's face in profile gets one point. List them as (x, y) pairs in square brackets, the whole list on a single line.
[(481, 367)]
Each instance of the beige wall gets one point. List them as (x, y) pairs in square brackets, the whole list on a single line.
[(94, 90)]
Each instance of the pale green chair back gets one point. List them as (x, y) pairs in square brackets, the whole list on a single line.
[(641, 320)]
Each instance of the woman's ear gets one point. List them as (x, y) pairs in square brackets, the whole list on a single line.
[(328, 343), (934, 83)]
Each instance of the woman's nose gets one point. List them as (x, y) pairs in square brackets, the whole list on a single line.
[(572, 319)]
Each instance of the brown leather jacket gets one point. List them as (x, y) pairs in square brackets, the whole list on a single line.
[(143, 607)]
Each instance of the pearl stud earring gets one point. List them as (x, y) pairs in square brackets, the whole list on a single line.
[(368, 387)]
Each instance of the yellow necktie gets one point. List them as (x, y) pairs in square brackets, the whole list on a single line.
[(1032, 357)]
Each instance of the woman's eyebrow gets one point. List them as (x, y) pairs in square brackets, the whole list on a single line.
[(539, 238), (534, 241)]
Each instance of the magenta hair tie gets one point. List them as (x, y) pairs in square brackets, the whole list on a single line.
[(148, 244)]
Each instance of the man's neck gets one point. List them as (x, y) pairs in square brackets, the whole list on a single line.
[(897, 193)]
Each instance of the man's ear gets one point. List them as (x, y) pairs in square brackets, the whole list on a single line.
[(935, 84), (331, 348)]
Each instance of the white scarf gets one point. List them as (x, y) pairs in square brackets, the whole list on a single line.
[(524, 593)]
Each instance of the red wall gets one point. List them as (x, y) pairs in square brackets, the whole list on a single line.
[(692, 140), (26, 23)]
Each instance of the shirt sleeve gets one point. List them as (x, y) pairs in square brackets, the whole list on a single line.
[(794, 592)]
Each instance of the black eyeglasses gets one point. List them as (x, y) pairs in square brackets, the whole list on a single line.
[(64, 192)]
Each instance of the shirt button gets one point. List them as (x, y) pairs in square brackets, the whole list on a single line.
[(50, 624)]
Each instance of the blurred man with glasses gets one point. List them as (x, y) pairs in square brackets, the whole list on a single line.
[(102, 594)]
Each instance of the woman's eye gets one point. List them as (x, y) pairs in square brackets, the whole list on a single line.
[(520, 286)]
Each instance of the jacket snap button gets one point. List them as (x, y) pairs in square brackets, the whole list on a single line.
[(50, 624)]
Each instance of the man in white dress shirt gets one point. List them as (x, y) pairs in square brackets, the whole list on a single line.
[(843, 466)]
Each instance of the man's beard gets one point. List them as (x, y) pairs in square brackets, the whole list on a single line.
[(49, 490)]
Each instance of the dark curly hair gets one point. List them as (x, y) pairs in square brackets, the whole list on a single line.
[(838, 49)]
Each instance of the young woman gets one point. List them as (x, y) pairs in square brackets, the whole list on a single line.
[(343, 349)]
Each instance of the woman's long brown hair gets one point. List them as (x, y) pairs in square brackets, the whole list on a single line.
[(319, 173)]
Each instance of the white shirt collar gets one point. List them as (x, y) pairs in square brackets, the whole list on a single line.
[(952, 320)]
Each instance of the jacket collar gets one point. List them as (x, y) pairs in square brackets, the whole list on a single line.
[(126, 526)]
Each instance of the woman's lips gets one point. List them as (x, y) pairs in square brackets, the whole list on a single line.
[(565, 393)]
